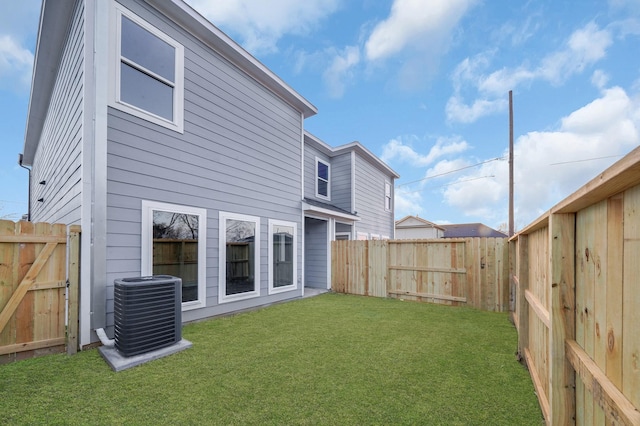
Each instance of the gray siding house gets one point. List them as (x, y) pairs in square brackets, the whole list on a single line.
[(179, 153), (348, 194)]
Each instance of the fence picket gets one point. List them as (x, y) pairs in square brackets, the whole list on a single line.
[(445, 271)]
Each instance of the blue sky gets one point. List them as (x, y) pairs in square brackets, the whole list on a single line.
[(424, 85)]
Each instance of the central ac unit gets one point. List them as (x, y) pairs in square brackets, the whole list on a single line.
[(147, 313)]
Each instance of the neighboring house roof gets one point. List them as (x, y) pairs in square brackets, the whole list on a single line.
[(55, 20), (416, 222), (468, 230), (353, 146)]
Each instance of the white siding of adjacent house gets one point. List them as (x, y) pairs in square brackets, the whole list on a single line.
[(240, 153), (369, 199), (418, 233), (58, 157)]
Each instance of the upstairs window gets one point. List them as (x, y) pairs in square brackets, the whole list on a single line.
[(322, 179), (387, 196), (148, 72)]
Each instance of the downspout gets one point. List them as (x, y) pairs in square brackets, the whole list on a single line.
[(20, 157)]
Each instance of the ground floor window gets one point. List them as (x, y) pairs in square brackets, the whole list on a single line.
[(174, 243), (239, 257), (282, 256)]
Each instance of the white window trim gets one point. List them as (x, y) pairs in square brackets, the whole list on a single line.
[(318, 195), (222, 258), (362, 236), (117, 11), (387, 183), (147, 245), (342, 234), (294, 286)]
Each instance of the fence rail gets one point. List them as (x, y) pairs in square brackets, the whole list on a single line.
[(577, 301), (33, 284), (471, 271)]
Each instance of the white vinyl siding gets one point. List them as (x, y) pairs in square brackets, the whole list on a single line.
[(147, 69)]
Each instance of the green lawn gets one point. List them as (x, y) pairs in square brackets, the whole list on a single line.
[(331, 359)]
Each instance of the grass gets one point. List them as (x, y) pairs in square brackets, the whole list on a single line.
[(331, 359)]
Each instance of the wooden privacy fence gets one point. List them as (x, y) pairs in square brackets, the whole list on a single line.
[(470, 271), (576, 275), (33, 289)]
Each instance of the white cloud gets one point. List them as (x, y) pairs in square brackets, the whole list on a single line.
[(400, 151), (340, 72), (548, 165), (600, 79), (408, 203), (458, 111), (446, 167), (410, 22), (584, 47), (261, 24), (16, 62)]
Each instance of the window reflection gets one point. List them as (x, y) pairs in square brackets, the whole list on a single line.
[(240, 256), (282, 256), (175, 249)]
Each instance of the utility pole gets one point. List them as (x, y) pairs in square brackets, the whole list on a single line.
[(511, 222)]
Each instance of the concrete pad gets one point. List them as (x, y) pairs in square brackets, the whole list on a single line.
[(118, 362)]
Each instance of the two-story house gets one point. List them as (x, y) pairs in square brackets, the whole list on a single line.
[(348, 194), (180, 153)]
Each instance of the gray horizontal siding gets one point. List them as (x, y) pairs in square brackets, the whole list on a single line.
[(341, 181), (240, 153), (369, 199), (58, 156), (315, 256)]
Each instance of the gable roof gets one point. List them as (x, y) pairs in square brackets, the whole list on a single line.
[(416, 222), (353, 146), (55, 17), (467, 230)]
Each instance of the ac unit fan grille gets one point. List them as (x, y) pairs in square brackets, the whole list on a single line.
[(147, 313)]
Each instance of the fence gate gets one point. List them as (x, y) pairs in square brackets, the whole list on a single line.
[(33, 289)]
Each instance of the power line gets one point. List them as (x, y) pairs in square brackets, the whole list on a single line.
[(446, 184), (587, 159), (451, 171)]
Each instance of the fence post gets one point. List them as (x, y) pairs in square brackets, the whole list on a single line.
[(74, 288), (562, 230), (522, 274)]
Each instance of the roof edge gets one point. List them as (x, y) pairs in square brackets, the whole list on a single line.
[(353, 146), (200, 27), (48, 53)]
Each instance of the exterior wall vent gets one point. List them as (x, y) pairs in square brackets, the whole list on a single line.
[(147, 313)]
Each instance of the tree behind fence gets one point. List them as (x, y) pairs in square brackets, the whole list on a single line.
[(470, 271)]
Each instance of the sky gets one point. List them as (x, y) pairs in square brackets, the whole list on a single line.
[(424, 85)]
